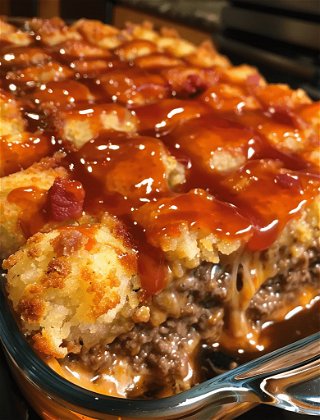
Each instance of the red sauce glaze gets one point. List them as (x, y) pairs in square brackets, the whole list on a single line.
[(196, 209), (91, 68), (221, 130), (134, 86), (214, 145), (286, 133), (159, 118), (27, 79), (4, 44), (153, 269), (31, 201), (269, 196), (120, 172), (225, 98), (60, 94), (12, 58), (17, 155)]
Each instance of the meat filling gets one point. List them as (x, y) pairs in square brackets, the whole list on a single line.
[(281, 291), (194, 313), (193, 307)]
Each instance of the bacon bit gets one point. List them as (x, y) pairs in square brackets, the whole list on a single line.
[(254, 80), (288, 181), (65, 199), (193, 84), (188, 82)]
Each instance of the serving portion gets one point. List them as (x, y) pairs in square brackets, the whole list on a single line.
[(159, 206)]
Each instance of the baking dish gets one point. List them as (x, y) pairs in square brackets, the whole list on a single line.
[(224, 396), (288, 378)]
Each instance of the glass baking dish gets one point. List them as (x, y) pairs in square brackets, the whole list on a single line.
[(288, 378)]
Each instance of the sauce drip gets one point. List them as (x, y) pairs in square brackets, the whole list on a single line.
[(20, 151), (231, 140), (112, 168), (154, 270), (196, 209), (31, 201)]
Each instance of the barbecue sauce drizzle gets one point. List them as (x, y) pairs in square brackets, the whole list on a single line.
[(270, 187)]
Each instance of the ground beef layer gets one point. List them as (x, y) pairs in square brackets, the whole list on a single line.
[(165, 353)]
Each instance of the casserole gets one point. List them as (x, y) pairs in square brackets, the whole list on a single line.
[(145, 247)]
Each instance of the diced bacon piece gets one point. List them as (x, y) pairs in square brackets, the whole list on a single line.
[(65, 199)]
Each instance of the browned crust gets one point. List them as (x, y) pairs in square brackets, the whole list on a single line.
[(30, 308), (56, 273), (68, 242)]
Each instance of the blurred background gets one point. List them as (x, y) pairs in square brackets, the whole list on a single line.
[(280, 37)]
